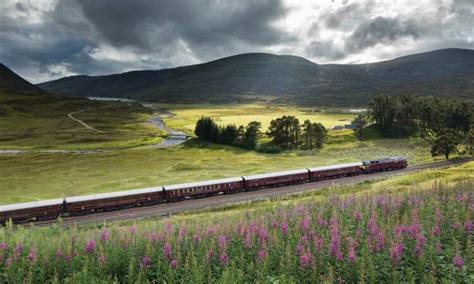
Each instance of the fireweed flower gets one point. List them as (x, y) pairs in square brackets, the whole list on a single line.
[(210, 255), (396, 252), (305, 260), (284, 228), (458, 262), (102, 259), (18, 250), (174, 264), (197, 238), (438, 248), (132, 230), (262, 236), (221, 242), (436, 230), (153, 237), (104, 236), (224, 259), (420, 242), (167, 249), (32, 255), (351, 250), (146, 262), (304, 225), (3, 246), (468, 226), (89, 247), (262, 255)]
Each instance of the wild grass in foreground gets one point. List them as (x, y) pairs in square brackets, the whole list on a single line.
[(421, 235)]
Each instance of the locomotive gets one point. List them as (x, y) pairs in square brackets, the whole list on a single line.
[(88, 204)]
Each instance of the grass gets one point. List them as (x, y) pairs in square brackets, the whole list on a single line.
[(36, 176), (38, 122), (39, 176), (186, 115), (289, 240)]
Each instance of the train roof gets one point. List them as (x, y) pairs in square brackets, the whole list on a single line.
[(202, 183), (28, 205), (386, 159), (108, 195), (338, 166), (276, 174)]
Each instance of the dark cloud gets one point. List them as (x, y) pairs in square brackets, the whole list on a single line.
[(380, 30), (48, 39)]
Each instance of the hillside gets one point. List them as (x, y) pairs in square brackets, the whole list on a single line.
[(33, 118), (260, 76)]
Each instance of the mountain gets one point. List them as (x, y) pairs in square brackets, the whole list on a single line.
[(288, 79), (12, 82)]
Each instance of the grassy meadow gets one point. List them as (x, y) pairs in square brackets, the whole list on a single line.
[(34, 176), (186, 115), (413, 228), (32, 121)]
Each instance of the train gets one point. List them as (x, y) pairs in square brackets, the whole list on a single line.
[(89, 204)]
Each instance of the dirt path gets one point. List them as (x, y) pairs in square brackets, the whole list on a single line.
[(70, 115)]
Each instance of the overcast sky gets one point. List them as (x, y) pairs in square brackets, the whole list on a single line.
[(48, 39)]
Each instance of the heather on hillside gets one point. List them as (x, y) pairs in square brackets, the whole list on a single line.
[(424, 235)]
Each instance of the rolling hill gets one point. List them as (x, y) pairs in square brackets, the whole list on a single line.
[(289, 79)]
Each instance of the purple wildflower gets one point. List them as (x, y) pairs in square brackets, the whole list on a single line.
[(104, 236), (458, 262), (3, 246), (89, 247), (210, 255), (32, 255), (167, 250), (132, 229), (436, 231), (173, 264), (318, 243), (146, 262), (262, 236), (197, 238), (9, 262), (304, 225), (224, 259), (221, 242), (284, 228), (468, 226), (351, 250), (153, 237), (438, 248), (420, 242), (262, 255), (102, 259), (305, 260), (357, 216), (396, 252), (18, 250)]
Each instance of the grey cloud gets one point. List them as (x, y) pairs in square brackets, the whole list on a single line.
[(151, 24), (380, 30)]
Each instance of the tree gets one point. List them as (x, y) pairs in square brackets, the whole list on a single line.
[(251, 135), (308, 135), (320, 135), (445, 142), (359, 122), (228, 134), (206, 129), (382, 111), (285, 132)]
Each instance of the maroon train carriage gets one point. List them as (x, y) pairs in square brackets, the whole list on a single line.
[(336, 171), (31, 211), (276, 179), (80, 205), (385, 164), (203, 188)]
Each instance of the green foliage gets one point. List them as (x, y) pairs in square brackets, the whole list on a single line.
[(360, 121), (421, 234), (246, 138), (446, 123)]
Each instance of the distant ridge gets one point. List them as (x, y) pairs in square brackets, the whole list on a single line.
[(12, 82), (288, 79)]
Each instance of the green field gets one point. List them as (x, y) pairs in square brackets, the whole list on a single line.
[(36, 176), (186, 115), (38, 122)]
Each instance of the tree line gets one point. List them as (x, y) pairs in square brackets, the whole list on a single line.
[(286, 133), (446, 123)]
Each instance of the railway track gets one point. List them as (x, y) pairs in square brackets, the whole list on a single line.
[(167, 209)]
